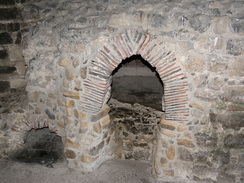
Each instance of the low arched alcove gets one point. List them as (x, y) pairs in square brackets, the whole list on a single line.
[(40, 146), (135, 108)]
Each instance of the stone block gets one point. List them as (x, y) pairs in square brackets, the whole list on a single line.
[(83, 126), (170, 125), (224, 177), (200, 23), (196, 63), (9, 14), (234, 47), (170, 152), (83, 72), (184, 154), (97, 128), (69, 143), (65, 62), (104, 111), (7, 2), (15, 52), (5, 38), (13, 27), (87, 158), (167, 133), (18, 83), (169, 173), (233, 94), (159, 21), (74, 95), (69, 154), (7, 70), (197, 105), (204, 140), (237, 25), (79, 115), (69, 103), (3, 54), (221, 157), (234, 141), (221, 25), (49, 114), (185, 142), (232, 120), (164, 162), (70, 74), (181, 128), (105, 121), (4, 86), (95, 150), (236, 68)]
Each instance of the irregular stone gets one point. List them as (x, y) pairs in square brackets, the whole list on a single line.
[(221, 25), (185, 142), (233, 120), (69, 103), (104, 111), (216, 82), (69, 154), (69, 143), (61, 102), (88, 159), (234, 141), (79, 114), (167, 133), (105, 121), (3, 54), (83, 126), (97, 128), (200, 23), (216, 43), (169, 173), (95, 150), (233, 94), (206, 140), (74, 95), (234, 47), (201, 157), (199, 63), (217, 66), (184, 154), (69, 111), (70, 74), (170, 125), (18, 83), (158, 21), (170, 152), (237, 24), (15, 52), (67, 121), (224, 177), (49, 114), (181, 128), (164, 162), (5, 38), (236, 68), (221, 157), (197, 105), (52, 96), (65, 62), (83, 72)]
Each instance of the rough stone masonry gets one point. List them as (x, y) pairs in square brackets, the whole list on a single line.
[(56, 60)]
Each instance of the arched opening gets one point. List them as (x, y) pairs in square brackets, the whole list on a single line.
[(41, 147), (136, 108)]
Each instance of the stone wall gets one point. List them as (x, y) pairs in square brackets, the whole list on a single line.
[(71, 48), (13, 98)]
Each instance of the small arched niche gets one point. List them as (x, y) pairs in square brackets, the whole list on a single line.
[(136, 108)]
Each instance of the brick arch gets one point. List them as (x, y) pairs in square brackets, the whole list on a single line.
[(98, 82)]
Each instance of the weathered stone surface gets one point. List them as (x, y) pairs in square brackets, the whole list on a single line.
[(84, 126), (233, 94), (206, 140), (65, 62), (167, 133), (221, 157), (169, 173), (101, 114), (83, 72), (16, 52), (3, 54), (158, 21), (225, 178), (80, 115), (70, 74), (181, 128), (69, 154), (12, 27), (164, 162), (88, 159), (197, 105), (185, 142), (199, 63), (234, 47), (69, 143), (74, 95), (236, 68), (95, 150), (97, 128), (237, 24), (7, 70), (221, 25), (233, 120), (201, 157), (170, 125), (234, 141), (4, 86), (200, 23), (170, 152), (5, 38), (9, 13), (69, 103), (184, 154), (49, 114)]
